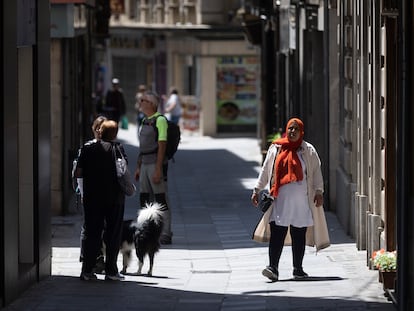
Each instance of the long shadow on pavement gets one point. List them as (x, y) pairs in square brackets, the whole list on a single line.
[(69, 294)]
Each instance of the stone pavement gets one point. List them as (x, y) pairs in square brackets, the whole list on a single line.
[(212, 264)]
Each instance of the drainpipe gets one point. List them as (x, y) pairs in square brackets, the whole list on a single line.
[(268, 74)]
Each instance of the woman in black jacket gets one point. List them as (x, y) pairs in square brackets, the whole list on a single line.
[(103, 202)]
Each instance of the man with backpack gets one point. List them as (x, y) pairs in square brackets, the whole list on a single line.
[(152, 160)]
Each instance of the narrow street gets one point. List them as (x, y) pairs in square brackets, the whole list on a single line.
[(212, 263)]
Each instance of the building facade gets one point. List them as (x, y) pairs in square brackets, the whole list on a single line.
[(25, 233), (72, 25), (342, 67), (196, 46)]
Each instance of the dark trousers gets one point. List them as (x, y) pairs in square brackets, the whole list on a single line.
[(277, 239), (97, 218)]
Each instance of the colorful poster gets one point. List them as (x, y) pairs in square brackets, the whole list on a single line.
[(237, 93)]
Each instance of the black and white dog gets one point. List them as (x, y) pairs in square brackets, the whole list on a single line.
[(143, 235)]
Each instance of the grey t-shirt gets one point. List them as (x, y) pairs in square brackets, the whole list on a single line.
[(148, 139)]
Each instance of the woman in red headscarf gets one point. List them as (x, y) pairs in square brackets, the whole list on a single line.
[(292, 172)]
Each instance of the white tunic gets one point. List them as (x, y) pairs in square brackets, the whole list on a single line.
[(291, 207)]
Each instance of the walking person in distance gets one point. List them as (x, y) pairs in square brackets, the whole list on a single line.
[(173, 106), (140, 115), (292, 172), (114, 102)]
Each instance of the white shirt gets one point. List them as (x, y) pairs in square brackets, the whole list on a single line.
[(291, 206), (176, 111)]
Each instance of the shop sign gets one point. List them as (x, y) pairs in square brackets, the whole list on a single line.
[(237, 93)]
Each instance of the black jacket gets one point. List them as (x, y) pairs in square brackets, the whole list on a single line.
[(100, 183)]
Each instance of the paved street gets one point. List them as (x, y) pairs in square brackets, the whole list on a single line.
[(212, 264)]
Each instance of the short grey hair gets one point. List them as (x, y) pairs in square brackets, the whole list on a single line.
[(155, 99)]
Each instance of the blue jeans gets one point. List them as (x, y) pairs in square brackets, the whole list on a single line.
[(175, 119)]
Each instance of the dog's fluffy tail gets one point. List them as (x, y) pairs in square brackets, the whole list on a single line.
[(151, 211)]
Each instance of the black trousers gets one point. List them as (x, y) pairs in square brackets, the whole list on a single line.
[(97, 218), (277, 239)]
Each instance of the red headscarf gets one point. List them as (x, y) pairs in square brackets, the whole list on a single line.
[(287, 166)]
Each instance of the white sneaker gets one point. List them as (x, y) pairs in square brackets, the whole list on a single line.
[(115, 277)]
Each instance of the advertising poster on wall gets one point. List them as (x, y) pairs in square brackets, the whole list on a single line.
[(237, 93)]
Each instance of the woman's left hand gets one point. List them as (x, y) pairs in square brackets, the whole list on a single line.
[(255, 198), (318, 199)]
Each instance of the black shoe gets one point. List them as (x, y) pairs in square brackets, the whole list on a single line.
[(88, 276), (299, 274), (115, 277), (271, 273)]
